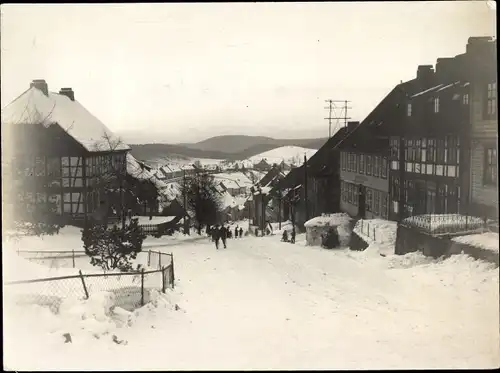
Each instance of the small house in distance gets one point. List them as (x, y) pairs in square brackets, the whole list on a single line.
[(262, 166), (60, 154)]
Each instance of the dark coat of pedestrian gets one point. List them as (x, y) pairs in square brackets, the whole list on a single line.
[(216, 236), (236, 232), (223, 235), (241, 232)]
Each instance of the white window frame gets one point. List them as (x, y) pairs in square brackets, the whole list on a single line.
[(436, 105)]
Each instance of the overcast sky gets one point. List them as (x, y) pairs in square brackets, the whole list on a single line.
[(185, 72)]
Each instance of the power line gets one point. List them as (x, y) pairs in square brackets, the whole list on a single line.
[(332, 108)]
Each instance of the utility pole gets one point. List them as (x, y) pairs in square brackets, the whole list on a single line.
[(332, 108), (185, 201), (279, 197), (305, 188)]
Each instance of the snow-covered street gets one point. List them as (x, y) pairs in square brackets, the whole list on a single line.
[(263, 304)]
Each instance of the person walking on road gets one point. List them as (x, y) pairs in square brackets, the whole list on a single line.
[(223, 236), (216, 236), (241, 232), (236, 232)]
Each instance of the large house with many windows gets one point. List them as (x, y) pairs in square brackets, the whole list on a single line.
[(59, 153), (482, 99), (431, 149), (364, 175)]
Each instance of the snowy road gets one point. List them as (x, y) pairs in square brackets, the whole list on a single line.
[(263, 304)]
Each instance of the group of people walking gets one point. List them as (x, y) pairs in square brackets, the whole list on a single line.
[(222, 233)]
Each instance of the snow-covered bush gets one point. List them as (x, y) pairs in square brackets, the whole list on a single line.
[(113, 248)]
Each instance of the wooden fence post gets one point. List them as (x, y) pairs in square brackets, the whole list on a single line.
[(149, 257), (84, 286), (172, 271), (163, 280), (73, 258), (373, 233), (159, 254), (142, 287)]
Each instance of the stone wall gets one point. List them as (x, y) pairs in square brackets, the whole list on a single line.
[(410, 240)]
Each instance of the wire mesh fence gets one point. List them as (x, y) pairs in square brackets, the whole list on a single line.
[(368, 230), (55, 259), (157, 259), (131, 289)]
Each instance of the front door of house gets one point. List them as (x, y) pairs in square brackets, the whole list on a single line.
[(361, 201)]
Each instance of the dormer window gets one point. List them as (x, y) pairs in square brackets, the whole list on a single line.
[(465, 99), (408, 110), (436, 105)]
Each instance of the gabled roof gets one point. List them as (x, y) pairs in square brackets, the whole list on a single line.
[(320, 160), (33, 107)]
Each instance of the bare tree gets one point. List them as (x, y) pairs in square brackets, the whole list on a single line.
[(203, 200)]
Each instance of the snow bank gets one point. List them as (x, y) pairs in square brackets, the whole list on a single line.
[(78, 324), (487, 241), (15, 268), (379, 234), (377, 230), (321, 224), (69, 238), (330, 220)]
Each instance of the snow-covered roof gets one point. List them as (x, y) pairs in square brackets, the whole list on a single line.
[(33, 107), (427, 90), (144, 220), (265, 189), (447, 86), (330, 220), (228, 200), (172, 190), (235, 179)]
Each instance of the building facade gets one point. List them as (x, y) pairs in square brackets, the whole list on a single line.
[(484, 129), (364, 184), (61, 155), (432, 169)]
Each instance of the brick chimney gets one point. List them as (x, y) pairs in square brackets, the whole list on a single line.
[(479, 44), (68, 92), (351, 126), (425, 76), (447, 68), (41, 85)]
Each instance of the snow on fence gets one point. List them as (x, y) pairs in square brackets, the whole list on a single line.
[(437, 224), (54, 259), (130, 288), (369, 230)]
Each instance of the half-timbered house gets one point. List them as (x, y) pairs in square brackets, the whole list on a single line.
[(430, 151), (62, 154)]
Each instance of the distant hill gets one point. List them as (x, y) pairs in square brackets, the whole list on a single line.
[(239, 143), (292, 155), (220, 147)]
